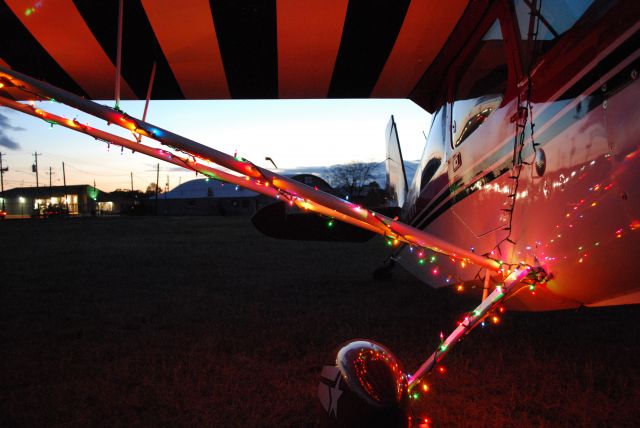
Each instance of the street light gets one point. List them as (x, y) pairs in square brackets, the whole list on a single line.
[(271, 160), (22, 200)]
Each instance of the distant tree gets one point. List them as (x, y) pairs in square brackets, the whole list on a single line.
[(374, 185), (375, 196), (127, 193), (352, 177), (151, 189)]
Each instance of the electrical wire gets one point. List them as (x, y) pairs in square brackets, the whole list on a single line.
[(524, 116)]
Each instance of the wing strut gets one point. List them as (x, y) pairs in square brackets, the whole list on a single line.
[(475, 317), (254, 176), (149, 89), (185, 161), (119, 53)]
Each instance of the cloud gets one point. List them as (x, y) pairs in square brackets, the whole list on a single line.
[(5, 140), (4, 124), (8, 142)]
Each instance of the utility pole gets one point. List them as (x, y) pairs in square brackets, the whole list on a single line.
[(2, 171), (166, 190), (157, 186), (64, 183), (119, 54), (35, 169), (131, 182), (166, 203), (50, 186)]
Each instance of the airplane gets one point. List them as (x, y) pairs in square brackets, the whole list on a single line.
[(527, 187)]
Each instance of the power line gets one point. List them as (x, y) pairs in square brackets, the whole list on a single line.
[(79, 160), (93, 173), (23, 172)]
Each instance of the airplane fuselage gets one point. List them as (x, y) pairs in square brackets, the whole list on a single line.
[(542, 167)]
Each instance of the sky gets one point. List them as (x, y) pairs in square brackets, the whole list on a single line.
[(294, 133)]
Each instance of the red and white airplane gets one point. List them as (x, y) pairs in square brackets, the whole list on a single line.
[(528, 185)]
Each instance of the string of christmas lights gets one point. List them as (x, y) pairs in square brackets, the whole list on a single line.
[(303, 196), (252, 177), (474, 318)]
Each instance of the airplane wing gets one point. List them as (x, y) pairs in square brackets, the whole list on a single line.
[(220, 50)]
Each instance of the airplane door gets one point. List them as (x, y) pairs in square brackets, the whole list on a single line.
[(479, 132)]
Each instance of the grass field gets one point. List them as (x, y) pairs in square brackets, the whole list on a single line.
[(205, 322)]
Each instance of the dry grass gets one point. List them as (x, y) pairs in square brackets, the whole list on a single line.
[(204, 322)]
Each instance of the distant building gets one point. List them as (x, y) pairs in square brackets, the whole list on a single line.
[(315, 182), (203, 196), (206, 196), (39, 201)]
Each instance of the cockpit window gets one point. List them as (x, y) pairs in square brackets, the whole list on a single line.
[(481, 87), (541, 23), (478, 110)]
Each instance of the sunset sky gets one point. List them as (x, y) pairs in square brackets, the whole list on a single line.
[(294, 133)]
